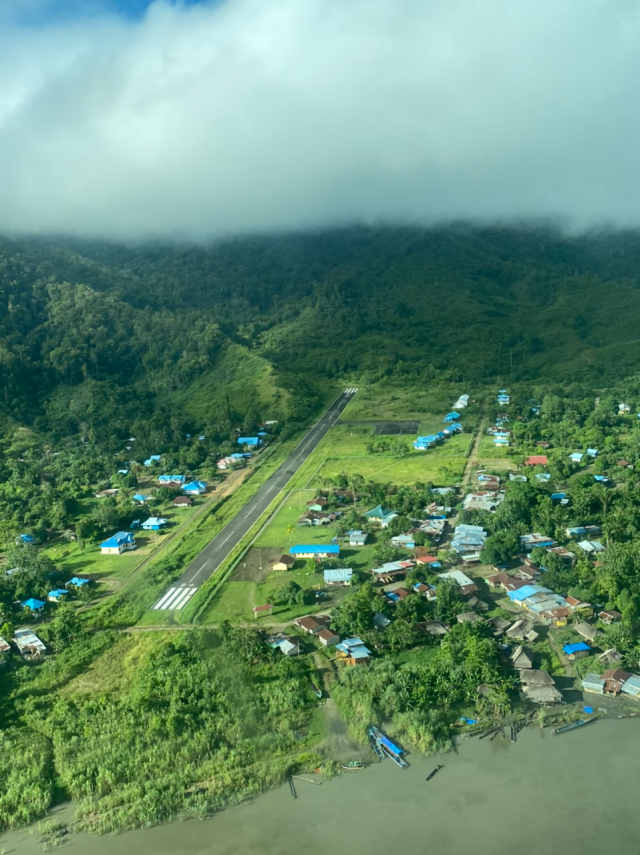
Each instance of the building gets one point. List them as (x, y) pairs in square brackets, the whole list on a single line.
[(587, 631), (625, 464), (467, 586), (469, 617), (317, 504), (354, 651), (614, 679), (141, 498), (33, 605), (451, 417), (632, 686), (315, 550), (195, 488), (182, 502), (285, 562), (154, 523), (531, 541), (538, 687), (381, 515), (537, 460), (28, 643), (122, 541), (521, 659), (253, 441), (171, 480), (309, 624), (357, 537), (56, 595), (583, 609), (258, 611), (590, 546), (427, 591), (78, 582), (404, 541), (429, 560), (381, 621), (289, 646), (431, 627), (609, 616), (593, 683), (338, 578), (577, 651), (327, 638)]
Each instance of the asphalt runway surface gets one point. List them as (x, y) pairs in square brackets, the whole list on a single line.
[(212, 556)]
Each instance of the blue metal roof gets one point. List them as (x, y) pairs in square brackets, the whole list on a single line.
[(574, 648), (329, 549), (342, 575), (117, 539), (451, 417), (526, 591), (249, 440), (78, 582), (32, 604)]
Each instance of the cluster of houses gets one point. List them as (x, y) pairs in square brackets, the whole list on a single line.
[(422, 443), (488, 497), (468, 541)]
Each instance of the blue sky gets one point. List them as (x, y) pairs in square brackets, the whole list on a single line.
[(40, 13)]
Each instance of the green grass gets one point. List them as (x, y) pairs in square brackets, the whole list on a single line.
[(393, 402), (419, 466), (275, 534)]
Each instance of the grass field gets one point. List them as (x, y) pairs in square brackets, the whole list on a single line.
[(391, 402), (419, 466)]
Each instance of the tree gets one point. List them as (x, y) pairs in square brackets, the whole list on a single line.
[(289, 592), (449, 603), (401, 635)]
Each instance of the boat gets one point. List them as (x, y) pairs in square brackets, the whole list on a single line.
[(435, 771), (316, 690), (353, 764), (397, 759), (374, 744), (572, 726)]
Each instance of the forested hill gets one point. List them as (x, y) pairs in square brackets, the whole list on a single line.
[(109, 333)]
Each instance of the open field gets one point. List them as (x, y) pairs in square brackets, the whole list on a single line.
[(391, 402), (419, 466)]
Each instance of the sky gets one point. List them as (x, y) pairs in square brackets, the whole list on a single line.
[(131, 119)]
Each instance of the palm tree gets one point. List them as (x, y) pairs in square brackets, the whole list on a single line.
[(289, 531), (602, 494)]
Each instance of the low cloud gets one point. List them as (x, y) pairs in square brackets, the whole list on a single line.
[(273, 114)]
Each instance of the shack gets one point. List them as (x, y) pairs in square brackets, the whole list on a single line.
[(577, 651)]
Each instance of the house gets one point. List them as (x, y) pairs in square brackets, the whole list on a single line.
[(522, 629), (314, 518), (267, 609), (56, 595), (107, 494), (338, 578), (632, 686), (122, 541), (78, 582), (561, 552), (576, 456), (538, 687), (587, 631), (610, 657), (195, 488), (354, 651), (451, 417), (592, 452), (430, 560), (521, 659), (154, 523), (317, 504), (249, 440), (28, 643), (225, 463), (590, 546), (528, 574), (558, 617), (140, 497), (315, 550), (289, 646), (476, 604), (327, 638), (593, 683), (285, 562), (541, 443), (536, 460), (403, 541), (154, 458), (469, 617), (33, 605), (531, 541), (623, 409), (24, 538), (467, 586), (308, 624), (584, 609), (576, 531), (381, 515), (614, 679), (123, 471), (498, 626), (462, 402), (357, 537), (391, 569), (542, 476), (171, 480), (580, 650), (497, 580), (380, 620), (609, 616), (424, 590), (182, 502), (559, 497), (431, 627), (625, 464)]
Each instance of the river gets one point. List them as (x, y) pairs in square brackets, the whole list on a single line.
[(544, 794)]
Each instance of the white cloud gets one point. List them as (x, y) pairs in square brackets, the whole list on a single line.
[(271, 114)]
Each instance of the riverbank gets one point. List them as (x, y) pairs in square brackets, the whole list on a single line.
[(574, 793)]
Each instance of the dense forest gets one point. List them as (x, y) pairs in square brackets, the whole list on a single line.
[(97, 336)]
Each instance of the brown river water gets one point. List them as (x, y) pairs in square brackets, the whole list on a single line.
[(578, 792)]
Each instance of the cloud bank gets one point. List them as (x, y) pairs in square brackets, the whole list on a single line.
[(258, 115)]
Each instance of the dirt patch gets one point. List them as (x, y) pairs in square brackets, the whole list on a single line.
[(255, 566)]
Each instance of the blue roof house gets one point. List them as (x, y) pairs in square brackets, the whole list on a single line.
[(338, 577), (195, 488), (122, 541), (171, 479), (249, 440), (140, 497), (381, 515), (154, 523), (55, 596), (451, 417), (154, 458), (25, 538), (592, 452), (576, 457), (33, 605), (78, 582), (315, 550), (577, 651)]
